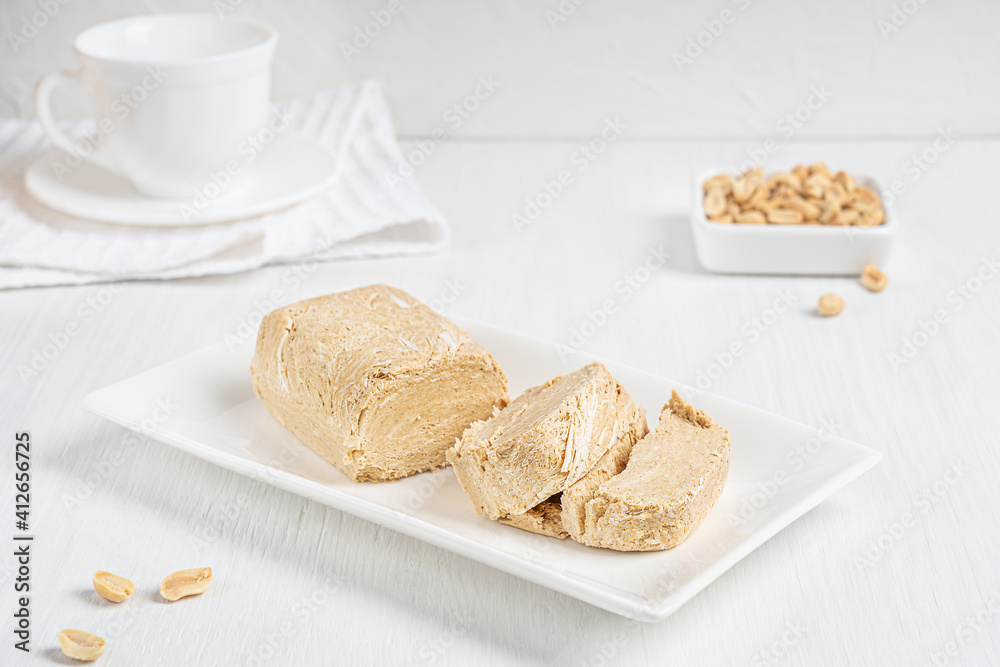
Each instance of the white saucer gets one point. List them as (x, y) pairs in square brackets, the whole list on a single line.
[(286, 172)]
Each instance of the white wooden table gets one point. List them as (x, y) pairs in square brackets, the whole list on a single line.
[(889, 570)]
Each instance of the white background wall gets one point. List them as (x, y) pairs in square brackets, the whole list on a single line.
[(561, 78)]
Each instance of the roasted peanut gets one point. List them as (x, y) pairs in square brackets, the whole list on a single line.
[(873, 279), (186, 582), (820, 168), (112, 587), (751, 218), (722, 181), (829, 305), (759, 198), (744, 187), (836, 194), (847, 216), (808, 210), (780, 178), (81, 645), (715, 203), (784, 216), (846, 181), (865, 194)]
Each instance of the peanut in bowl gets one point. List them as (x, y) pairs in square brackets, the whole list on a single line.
[(805, 221)]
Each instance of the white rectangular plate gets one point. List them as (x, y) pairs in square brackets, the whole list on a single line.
[(779, 471)]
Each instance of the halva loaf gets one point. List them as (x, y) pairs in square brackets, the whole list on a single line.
[(375, 382)]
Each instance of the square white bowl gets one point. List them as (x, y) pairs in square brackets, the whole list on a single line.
[(789, 249)]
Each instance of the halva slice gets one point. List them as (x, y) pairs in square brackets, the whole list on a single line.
[(545, 441), (564, 511), (375, 382), (574, 499), (673, 478)]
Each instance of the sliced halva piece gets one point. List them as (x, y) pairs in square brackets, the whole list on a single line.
[(673, 478), (545, 441)]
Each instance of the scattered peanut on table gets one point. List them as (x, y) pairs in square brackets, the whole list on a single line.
[(111, 587), (873, 279), (806, 195), (829, 305), (186, 582), (81, 645)]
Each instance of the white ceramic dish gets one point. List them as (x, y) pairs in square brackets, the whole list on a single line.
[(788, 249), (218, 419), (286, 172)]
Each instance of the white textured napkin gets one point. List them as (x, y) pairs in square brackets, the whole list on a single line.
[(364, 213)]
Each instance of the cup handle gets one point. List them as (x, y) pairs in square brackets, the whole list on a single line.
[(43, 111)]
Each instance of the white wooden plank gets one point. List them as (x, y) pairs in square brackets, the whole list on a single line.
[(562, 78)]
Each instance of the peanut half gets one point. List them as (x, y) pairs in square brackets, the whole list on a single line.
[(81, 645), (872, 279), (829, 305), (186, 582), (715, 203), (111, 587)]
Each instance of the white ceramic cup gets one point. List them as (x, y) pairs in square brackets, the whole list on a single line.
[(176, 96)]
